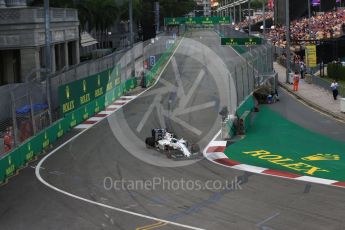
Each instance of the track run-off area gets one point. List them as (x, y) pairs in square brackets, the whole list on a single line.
[(277, 143), (97, 179)]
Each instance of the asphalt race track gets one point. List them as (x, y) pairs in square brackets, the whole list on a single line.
[(114, 149)]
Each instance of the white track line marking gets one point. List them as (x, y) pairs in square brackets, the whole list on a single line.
[(38, 175), (128, 97), (249, 168), (95, 118), (209, 144), (219, 143), (216, 156), (100, 204), (106, 112), (114, 106), (121, 101), (83, 126), (316, 180)]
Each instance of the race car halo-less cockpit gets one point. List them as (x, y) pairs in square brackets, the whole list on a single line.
[(168, 143)]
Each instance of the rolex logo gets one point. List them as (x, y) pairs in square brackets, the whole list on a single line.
[(322, 157)]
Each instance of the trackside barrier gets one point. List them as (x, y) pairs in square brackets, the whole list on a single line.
[(33, 147), (247, 104), (244, 122), (80, 92), (231, 127), (150, 76), (240, 49), (243, 113)]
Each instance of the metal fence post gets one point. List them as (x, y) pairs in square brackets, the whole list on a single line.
[(229, 98), (248, 78), (14, 120), (32, 112), (262, 64), (255, 79), (242, 73), (113, 61), (236, 77), (266, 64)]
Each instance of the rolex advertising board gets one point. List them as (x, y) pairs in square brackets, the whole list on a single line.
[(80, 92)]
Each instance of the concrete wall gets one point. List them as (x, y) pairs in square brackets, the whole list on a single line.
[(23, 29), (28, 24), (30, 59)]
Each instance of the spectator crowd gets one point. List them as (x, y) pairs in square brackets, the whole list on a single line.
[(322, 26)]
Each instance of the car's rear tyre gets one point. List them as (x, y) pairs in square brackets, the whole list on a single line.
[(150, 142), (195, 148), (167, 152)]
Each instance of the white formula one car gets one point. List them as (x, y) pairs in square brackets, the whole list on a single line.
[(174, 148)]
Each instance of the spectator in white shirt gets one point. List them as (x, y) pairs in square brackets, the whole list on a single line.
[(334, 87)]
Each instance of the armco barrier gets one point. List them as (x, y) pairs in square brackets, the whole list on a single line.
[(33, 147)]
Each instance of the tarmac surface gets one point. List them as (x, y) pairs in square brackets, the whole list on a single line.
[(296, 110), (88, 165)]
